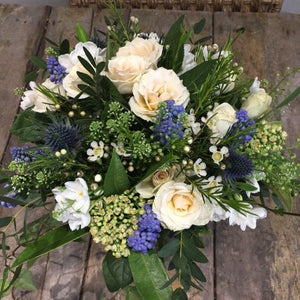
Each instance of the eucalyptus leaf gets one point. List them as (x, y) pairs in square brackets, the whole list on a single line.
[(116, 180), (169, 249), (86, 65), (64, 47), (116, 272), (196, 272), (179, 294), (48, 242), (38, 62), (148, 274), (86, 78)]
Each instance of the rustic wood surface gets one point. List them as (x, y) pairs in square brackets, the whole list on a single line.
[(261, 264)]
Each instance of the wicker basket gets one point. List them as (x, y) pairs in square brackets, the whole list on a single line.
[(207, 5)]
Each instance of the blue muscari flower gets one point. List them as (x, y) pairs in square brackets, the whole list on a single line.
[(57, 72), (19, 154), (238, 166), (243, 122), (169, 123), (145, 237), (10, 195), (60, 136)]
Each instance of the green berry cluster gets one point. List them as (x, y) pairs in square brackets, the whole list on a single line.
[(114, 219)]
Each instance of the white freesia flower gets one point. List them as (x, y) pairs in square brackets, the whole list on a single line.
[(34, 98), (188, 62), (247, 219), (178, 206), (148, 187), (154, 87), (96, 152), (258, 102), (73, 204)]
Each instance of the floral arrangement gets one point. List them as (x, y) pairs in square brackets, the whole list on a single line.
[(141, 141)]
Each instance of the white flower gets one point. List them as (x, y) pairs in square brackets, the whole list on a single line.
[(148, 187), (221, 119), (218, 155), (258, 102), (199, 168), (120, 150), (223, 53), (188, 62), (195, 126), (149, 49), (38, 100), (73, 204), (154, 87), (214, 185), (96, 152), (178, 206), (247, 219)]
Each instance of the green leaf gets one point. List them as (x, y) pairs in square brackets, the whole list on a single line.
[(86, 78), (86, 65), (169, 249), (49, 242), (149, 275), (116, 180), (196, 272), (179, 294), (31, 76), (90, 57), (38, 62), (116, 272), (246, 186), (198, 27), (81, 34), (203, 40), (133, 294), (5, 221), (288, 99), (24, 281), (195, 77), (64, 47)]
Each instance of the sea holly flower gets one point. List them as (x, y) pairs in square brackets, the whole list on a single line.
[(96, 152), (199, 168), (218, 155), (73, 204)]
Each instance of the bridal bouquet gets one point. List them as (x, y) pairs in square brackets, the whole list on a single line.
[(140, 141)]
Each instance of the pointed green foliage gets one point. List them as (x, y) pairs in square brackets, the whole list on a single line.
[(190, 250), (90, 57), (196, 272), (86, 78), (64, 47), (198, 27), (81, 34), (38, 62), (116, 180), (116, 272), (48, 242), (148, 275), (24, 281), (133, 294), (5, 221), (169, 249), (87, 65), (31, 76), (179, 294)]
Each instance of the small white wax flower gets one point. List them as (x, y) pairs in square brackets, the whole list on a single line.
[(214, 185), (96, 152), (121, 151), (195, 126), (199, 168), (218, 156)]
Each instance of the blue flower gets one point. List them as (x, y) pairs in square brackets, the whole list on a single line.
[(145, 237), (10, 195), (19, 154), (57, 72)]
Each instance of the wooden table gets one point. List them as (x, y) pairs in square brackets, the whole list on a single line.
[(261, 264)]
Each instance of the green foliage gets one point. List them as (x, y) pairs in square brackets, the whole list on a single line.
[(179, 294), (132, 294), (116, 272), (81, 34), (24, 281), (5, 221), (148, 275)]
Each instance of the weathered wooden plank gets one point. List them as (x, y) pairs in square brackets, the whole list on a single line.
[(20, 35), (261, 263)]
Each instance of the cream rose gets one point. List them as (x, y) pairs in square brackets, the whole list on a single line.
[(149, 49), (124, 71), (222, 118), (72, 80), (38, 100), (154, 87), (148, 187), (178, 206), (257, 104)]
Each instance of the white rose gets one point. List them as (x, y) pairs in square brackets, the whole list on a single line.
[(149, 49), (223, 117), (154, 87), (148, 187), (178, 206), (257, 104), (38, 100), (124, 71), (72, 80)]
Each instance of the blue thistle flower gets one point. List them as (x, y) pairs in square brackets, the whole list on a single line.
[(243, 122), (169, 123), (145, 237), (60, 136), (19, 154), (56, 71), (238, 166), (100, 43)]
